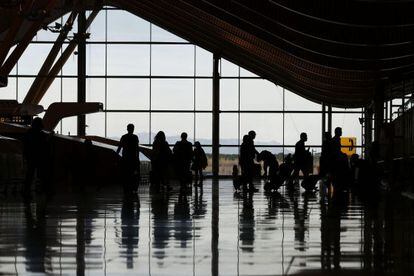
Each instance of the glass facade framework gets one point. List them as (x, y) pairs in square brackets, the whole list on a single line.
[(158, 81)]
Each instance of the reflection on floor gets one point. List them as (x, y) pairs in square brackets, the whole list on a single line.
[(207, 231)]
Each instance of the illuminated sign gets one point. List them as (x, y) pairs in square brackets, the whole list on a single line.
[(348, 145)]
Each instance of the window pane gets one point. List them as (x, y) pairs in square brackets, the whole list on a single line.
[(71, 66), (46, 35), (349, 123), (9, 92), (228, 69), (161, 35), (204, 90), (172, 60), (95, 90), (208, 151), (229, 94), (24, 84), (229, 156), (125, 26), (246, 73), (33, 58), (296, 123), (69, 126), (296, 102), (268, 127), (173, 124), (260, 95), (203, 131), (117, 124), (95, 59), (95, 124), (130, 94), (173, 94), (128, 60), (70, 90), (204, 62), (14, 70), (53, 94), (229, 129), (97, 28)]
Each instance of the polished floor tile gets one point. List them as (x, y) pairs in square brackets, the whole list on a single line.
[(206, 231)]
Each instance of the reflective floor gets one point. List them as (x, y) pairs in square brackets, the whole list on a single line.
[(206, 231)]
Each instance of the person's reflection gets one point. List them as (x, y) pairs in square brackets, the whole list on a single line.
[(275, 202), (378, 232), (84, 229), (130, 227), (247, 223), (80, 236), (182, 218), (35, 236), (303, 220), (331, 230), (159, 209), (300, 216), (200, 205)]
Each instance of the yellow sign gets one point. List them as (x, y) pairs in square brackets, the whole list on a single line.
[(348, 145)]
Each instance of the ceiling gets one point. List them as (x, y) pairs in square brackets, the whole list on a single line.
[(338, 52)]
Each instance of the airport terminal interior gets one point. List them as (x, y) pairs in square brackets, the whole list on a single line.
[(212, 137)]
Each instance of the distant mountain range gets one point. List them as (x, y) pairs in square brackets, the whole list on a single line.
[(223, 150)]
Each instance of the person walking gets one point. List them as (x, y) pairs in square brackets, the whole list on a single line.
[(129, 144)]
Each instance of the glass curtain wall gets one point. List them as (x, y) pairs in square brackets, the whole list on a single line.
[(148, 76)]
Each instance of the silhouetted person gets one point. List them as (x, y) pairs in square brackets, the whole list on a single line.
[(271, 167), (286, 168), (339, 162), (199, 162), (160, 161), (183, 154), (270, 163), (130, 159), (335, 146), (301, 157), (252, 135), (256, 168), (246, 161), (325, 155), (36, 153)]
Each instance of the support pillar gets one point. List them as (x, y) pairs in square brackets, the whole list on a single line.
[(367, 129), (81, 36), (379, 112), (216, 116), (323, 121), (330, 119)]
